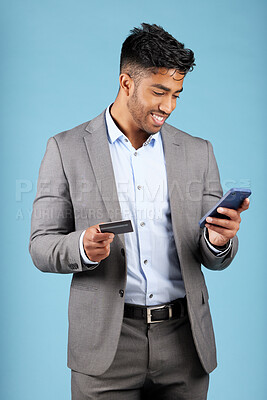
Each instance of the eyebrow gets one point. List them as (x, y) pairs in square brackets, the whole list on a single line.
[(159, 86)]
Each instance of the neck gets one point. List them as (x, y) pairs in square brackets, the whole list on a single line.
[(124, 121)]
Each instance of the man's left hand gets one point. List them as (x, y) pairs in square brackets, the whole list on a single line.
[(227, 228)]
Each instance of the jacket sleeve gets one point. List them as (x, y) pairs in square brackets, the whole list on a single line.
[(212, 193), (54, 243)]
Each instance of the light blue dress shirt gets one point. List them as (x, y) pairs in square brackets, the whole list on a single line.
[(153, 269)]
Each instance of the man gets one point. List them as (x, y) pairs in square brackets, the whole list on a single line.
[(139, 320)]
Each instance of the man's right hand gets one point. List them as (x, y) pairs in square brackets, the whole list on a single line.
[(96, 244)]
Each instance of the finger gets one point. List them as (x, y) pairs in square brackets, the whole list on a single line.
[(244, 206), (98, 256), (98, 251), (232, 214), (103, 251), (227, 233), (225, 223), (98, 245), (101, 237)]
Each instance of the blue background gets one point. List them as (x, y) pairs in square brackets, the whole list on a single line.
[(59, 68)]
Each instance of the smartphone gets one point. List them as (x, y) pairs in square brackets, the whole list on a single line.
[(232, 199)]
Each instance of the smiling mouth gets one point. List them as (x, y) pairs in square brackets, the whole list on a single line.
[(158, 119)]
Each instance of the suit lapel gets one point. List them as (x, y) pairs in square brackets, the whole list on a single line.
[(96, 142), (176, 167)]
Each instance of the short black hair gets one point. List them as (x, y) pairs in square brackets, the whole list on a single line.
[(150, 48)]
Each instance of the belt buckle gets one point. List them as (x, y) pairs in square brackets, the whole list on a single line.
[(149, 315)]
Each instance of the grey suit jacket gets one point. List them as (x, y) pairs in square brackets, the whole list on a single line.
[(76, 189)]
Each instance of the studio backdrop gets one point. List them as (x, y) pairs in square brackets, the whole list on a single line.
[(59, 68)]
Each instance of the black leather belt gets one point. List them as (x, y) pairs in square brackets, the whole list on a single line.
[(159, 313)]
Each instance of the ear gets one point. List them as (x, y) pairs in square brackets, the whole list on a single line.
[(126, 83)]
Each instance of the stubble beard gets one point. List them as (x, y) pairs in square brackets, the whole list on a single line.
[(138, 114)]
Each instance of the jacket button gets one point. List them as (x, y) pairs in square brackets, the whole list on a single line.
[(73, 266), (123, 252), (121, 292)]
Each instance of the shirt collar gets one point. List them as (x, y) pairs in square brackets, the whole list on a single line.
[(115, 133)]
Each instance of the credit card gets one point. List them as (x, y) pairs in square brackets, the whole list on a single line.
[(116, 227)]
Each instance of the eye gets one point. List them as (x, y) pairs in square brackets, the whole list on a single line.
[(176, 97), (158, 93)]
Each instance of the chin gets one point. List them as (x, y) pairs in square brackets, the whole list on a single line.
[(155, 130), (150, 129)]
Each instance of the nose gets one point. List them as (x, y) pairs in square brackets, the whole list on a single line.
[(167, 104)]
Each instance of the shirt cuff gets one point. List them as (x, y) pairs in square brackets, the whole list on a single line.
[(82, 252), (216, 251)]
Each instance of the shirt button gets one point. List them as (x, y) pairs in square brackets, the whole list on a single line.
[(139, 187), (121, 292), (145, 261), (142, 223), (135, 153), (126, 140), (150, 296)]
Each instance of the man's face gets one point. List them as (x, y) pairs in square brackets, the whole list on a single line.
[(154, 99)]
